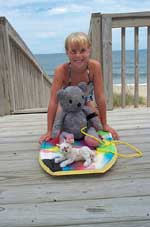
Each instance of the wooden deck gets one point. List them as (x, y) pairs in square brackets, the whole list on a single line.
[(31, 197)]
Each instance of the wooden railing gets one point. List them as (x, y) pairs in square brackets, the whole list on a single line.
[(24, 86), (100, 32)]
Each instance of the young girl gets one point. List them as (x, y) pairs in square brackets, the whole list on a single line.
[(80, 68)]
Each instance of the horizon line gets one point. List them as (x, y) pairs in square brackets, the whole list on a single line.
[(65, 53)]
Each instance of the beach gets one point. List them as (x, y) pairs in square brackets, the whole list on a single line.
[(130, 89)]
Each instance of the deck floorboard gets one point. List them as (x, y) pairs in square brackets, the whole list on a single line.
[(30, 197)]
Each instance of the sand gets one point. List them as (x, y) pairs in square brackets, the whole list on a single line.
[(130, 89)]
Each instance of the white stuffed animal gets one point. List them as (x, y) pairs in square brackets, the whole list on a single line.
[(71, 154)]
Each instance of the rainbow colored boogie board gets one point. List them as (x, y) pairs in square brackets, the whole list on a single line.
[(106, 156)]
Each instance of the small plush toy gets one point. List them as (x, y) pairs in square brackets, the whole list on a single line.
[(71, 154), (75, 115)]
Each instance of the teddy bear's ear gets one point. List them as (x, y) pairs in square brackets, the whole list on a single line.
[(83, 86), (60, 93)]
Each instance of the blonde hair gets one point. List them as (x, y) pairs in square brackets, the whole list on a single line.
[(77, 38)]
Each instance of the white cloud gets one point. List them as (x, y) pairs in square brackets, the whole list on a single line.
[(45, 23), (70, 8), (45, 35), (59, 10), (13, 3)]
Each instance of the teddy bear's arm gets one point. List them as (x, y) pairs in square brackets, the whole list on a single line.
[(57, 126), (92, 118)]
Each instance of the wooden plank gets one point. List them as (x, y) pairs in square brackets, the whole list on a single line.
[(135, 168), (95, 36), (123, 123), (139, 122), (75, 212), (21, 134), (16, 153), (24, 169), (4, 106), (36, 90), (117, 114), (34, 138), (120, 223), (20, 78), (43, 121), (17, 142), (133, 19), (19, 160), (148, 66), (107, 59), (47, 94), (25, 74), (144, 14), (136, 75), (123, 62), (6, 148), (31, 103), (130, 22), (51, 191), (40, 91), (9, 69), (16, 80), (4, 73), (28, 88), (13, 68), (32, 110), (33, 176)]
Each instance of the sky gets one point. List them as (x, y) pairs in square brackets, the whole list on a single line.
[(44, 24)]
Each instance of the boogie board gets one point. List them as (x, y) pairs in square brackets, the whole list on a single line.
[(106, 156)]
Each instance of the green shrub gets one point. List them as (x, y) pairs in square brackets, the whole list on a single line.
[(129, 100)]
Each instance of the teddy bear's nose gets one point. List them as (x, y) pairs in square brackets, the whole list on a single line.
[(79, 104)]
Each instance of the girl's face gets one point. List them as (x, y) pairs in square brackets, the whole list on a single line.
[(78, 55)]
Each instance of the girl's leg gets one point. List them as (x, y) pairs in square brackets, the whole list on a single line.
[(69, 137), (91, 142), (64, 135)]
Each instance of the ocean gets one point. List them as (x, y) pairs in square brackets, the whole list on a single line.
[(49, 62)]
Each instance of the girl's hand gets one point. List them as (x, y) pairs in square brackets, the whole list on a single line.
[(45, 137), (112, 131)]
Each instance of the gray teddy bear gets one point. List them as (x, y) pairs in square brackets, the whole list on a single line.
[(75, 115)]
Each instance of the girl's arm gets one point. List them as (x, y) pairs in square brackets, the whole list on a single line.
[(99, 92), (53, 103), (100, 99)]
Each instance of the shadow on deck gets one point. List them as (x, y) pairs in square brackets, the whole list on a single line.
[(31, 197)]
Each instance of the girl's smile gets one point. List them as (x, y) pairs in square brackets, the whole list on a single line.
[(78, 56)]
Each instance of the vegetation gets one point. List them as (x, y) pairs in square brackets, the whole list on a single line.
[(129, 100)]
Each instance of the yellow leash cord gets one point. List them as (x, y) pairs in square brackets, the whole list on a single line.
[(115, 142)]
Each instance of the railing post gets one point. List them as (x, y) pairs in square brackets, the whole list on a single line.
[(5, 99), (136, 77), (10, 79), (107, 59), (95, 36), (123, 68), (148, 66)]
